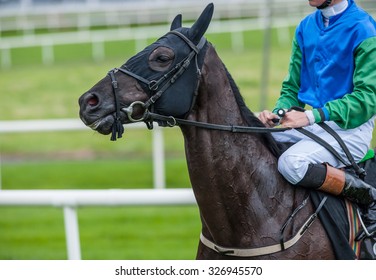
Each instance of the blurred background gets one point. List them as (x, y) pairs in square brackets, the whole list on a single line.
[(52, 51)]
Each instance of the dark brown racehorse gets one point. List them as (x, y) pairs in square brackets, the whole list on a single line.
[(243, 200)]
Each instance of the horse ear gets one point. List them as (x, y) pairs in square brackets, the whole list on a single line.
[(199, 28), (176, 23)]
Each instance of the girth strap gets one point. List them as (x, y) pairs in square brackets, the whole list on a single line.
[(253, 252)]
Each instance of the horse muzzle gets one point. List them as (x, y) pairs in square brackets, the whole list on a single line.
[(95, 113)]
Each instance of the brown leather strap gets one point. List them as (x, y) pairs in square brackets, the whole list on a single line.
[(334, 181)]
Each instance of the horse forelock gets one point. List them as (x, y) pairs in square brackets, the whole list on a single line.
[(251, 119)]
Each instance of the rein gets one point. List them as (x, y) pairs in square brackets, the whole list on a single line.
[(171, 121)]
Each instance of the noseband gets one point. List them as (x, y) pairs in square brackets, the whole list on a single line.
[(156, 87)]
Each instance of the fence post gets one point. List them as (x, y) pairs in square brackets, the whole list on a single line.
[(98, 50), (6, 59), (237, 40), (283, 34), (1, 177), (72, 233), (47, 52), (140, 42), (158, 159)]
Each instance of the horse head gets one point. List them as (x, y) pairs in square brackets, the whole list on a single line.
[(162, 78)]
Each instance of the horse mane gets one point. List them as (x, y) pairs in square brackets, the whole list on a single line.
[(251, 119)]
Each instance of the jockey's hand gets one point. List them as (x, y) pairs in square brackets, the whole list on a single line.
[(294, 119), (266, 117)]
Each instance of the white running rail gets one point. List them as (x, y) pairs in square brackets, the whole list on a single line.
[(69, 200)]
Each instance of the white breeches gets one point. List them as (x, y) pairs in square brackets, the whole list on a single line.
[(293, 163)]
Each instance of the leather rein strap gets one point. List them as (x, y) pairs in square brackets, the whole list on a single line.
[(171, 121)]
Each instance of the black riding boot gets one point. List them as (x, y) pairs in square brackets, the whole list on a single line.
[(362, 193), (358, 191), (334, 181)]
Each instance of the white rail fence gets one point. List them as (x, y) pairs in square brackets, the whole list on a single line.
[(234, 17), (23, 126), (69, 200), (140, 35), (30, 17)]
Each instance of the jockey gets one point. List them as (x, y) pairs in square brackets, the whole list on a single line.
[(333, 70)]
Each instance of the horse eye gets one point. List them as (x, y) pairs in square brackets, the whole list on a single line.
[(163, 58)]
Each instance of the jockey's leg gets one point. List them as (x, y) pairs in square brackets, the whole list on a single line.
[(338, 182), (302, 165), (294, 162)]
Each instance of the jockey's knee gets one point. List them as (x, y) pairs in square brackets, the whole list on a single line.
[(292, 167)]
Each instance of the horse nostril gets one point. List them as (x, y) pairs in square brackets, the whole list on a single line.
[(93, 101)]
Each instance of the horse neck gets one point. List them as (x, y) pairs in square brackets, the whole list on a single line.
[(234, 176)]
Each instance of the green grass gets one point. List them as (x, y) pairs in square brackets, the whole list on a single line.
[(91, 174), (105, 233), (31, 233), (140, 233)]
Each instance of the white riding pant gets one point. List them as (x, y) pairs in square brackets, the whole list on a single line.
[(293, 163)]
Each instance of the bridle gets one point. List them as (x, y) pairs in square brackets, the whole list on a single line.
[(155, 87)]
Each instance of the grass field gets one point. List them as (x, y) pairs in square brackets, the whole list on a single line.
[(87, 160)]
